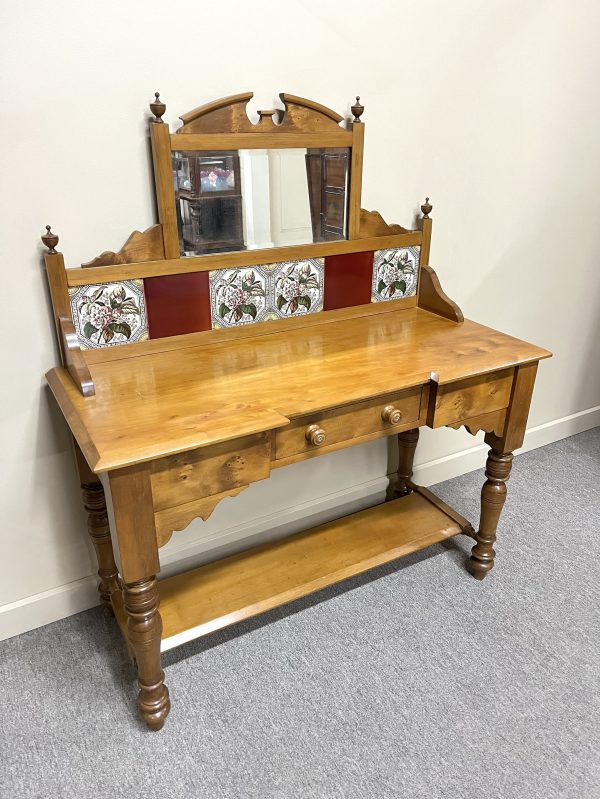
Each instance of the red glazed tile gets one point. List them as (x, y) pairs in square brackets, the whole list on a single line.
[(348, 280), (177, 304)]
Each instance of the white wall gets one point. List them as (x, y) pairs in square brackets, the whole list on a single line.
[(489, 108)]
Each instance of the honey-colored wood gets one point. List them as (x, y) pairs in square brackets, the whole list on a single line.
[(172, 520), (99, 531), (210, 470), (179, 400), (467, 399), (244, 585), (372, 224), (165, 195), (346, 422), (492, 422), (512, 435), (433, 298), (59, 290), (229, 116), (73, 358), (354, 196), (139, 247), (426, 224), (203, 263), (271, 140), (231, 334)]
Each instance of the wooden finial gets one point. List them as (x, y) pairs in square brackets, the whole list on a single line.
[(427, 208), (157, 108), (357, 109), (50, 239)]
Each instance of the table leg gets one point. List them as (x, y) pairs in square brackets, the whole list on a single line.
[(135, 534), (407, 444), (99, 531), (493, 496), (144, 629)]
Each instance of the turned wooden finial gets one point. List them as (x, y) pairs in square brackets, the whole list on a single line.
[(357, 109), (157, 108), (50, 239), (427, 208)]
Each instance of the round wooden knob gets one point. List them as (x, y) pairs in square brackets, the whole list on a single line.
[(315, 435), (391, 415)]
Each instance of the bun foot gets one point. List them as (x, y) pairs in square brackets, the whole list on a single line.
[(154, 712)]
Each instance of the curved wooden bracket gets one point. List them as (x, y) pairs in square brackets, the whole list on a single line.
[(433, 298), (229, 115), (492, 422), (173, 520), (139, 247), (373, 224), (73, 358)]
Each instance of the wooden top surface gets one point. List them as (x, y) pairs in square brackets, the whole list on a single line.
[(168, 402)]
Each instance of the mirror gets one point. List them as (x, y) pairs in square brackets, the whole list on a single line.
[(253, 199)]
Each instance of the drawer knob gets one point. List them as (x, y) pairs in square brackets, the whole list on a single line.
[(391, 415), (315, 435)]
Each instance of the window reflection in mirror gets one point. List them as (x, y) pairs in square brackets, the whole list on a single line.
[(253, 199)]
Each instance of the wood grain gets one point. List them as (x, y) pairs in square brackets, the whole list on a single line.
[(182, 399), (173, 265), (73, 357), (355, 184), (172, 520), (470, 398), (139, 247), (346, 422), (210, 470), (244, 585), (165, 194), (431, 296)]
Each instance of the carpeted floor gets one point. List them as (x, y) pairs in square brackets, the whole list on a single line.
[(413, 681)]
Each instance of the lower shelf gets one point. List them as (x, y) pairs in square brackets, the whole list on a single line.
[(218, 594)]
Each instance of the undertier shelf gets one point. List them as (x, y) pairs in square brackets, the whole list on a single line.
[(218, 594)]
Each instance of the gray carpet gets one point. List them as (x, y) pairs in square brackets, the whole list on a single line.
[(413, 681)]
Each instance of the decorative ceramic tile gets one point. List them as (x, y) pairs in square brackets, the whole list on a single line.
[(109, 313), (395, 274), (238, 296), (297, 287)]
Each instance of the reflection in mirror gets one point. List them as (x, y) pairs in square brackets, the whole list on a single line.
[(252, 199)]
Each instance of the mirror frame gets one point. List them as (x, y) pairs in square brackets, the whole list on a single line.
[(224, 125)]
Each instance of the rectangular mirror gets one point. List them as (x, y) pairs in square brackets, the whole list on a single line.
[(254, 199)]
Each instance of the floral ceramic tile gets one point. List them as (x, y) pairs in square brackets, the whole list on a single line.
[(109, 313), (297, 287), (238, 296), (395, 274)]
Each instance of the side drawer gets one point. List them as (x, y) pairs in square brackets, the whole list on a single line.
[(203, 472), (320, 430), (468, 398)]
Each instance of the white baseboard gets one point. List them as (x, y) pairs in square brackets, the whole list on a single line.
[(57, 603)]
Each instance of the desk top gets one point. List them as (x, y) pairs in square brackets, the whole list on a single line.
[(178, 400)]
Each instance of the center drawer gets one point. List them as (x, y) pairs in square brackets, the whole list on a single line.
[(319, 430)]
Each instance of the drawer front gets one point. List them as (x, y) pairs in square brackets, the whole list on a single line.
[(210, 470), (473, 397), (320, 430)]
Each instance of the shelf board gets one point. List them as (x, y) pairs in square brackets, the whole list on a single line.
[(227, 591)]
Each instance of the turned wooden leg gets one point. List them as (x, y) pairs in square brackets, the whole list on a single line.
[(99, 531), (493, 495), (144, 629), (407, 444)]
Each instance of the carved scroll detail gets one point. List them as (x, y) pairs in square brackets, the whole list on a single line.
[(173, 520), (139, 247), (492, 422), (433, 298), (373, 224), (73, 358), (229, 115)]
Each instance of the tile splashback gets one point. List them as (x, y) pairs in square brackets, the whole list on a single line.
[(395, 273), (107, 314), (271, 291)]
